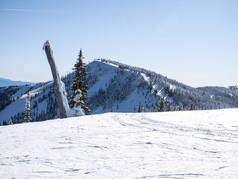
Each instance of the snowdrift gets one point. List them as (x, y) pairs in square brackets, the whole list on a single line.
[(193, 144)]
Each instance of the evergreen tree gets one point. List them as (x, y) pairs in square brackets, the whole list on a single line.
[(167, 106), (139, 108), (10, 122), (80, 88), (27, 117), (161, 105), (4, 123)]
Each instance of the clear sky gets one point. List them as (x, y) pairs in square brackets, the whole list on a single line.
[(192, 41)]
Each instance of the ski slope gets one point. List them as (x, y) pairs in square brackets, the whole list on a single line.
[(191, 144)]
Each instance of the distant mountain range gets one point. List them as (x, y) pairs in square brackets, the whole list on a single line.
[(116, 87), (7, 82)]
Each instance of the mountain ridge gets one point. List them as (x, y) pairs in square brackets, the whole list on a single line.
[(116, 87), (8, 82)]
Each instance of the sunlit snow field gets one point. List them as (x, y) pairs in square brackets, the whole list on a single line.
[(194, 144)]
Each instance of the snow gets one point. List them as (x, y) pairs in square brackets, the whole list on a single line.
[(69, 111), (21, 91), (134, 98), (77, 110), (61, 87), (105, 74), (172, 87), (16, 107), (39, 89), (108, 63), (194, 144), (63, 94), (101, 76), (146, 78)]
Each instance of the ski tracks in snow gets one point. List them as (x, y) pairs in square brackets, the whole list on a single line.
[(199, 144)]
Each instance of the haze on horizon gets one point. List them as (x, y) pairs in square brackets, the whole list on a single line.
[(193, 42)]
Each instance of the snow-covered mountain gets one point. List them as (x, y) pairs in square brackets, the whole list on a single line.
[(115, 87), (187, 144), (7, 82)]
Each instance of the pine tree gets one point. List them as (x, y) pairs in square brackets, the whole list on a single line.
[(10, 122), (161, 105), (80, 88), (4, 123), (167, 106), (27, 117), (139, 108)]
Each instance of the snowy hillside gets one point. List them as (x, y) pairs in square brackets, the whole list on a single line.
[(115, 87), (191, 144)]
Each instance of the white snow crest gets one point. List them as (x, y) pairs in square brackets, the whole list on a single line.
[(172, 87), (146, 78)]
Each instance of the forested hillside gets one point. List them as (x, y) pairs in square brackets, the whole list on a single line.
[(116, 87)]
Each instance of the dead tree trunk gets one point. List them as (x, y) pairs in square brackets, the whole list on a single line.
[(57, 80)]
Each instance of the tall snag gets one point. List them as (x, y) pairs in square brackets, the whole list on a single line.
[(60, 93)]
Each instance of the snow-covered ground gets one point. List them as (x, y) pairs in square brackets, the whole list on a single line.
[(198, 144)]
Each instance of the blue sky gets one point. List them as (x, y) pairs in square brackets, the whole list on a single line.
[(194, 42)]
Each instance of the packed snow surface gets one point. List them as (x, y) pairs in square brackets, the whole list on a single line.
[(198, 144)]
